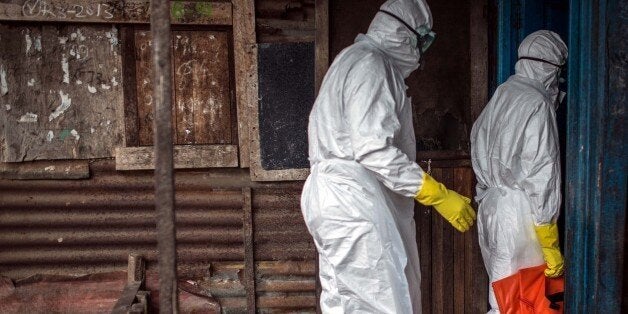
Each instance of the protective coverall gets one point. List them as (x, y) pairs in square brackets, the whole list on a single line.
[(358, 200), (515, 157)]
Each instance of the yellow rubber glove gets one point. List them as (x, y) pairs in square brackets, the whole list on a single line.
[(451, 205), (548, 238)]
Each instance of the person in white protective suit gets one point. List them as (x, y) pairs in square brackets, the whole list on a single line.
[(358, 200), (515, 157)]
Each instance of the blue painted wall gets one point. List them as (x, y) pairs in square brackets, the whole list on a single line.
[(594, 116), (596, 159)]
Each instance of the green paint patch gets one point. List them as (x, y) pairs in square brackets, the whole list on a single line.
[(178, 10), (64, 134), (204, 8)]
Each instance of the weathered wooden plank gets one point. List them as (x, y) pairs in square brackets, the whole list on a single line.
[(21, 106), (322, 41), (185, 157), (143, 70), (475, 278), (60, 92), (285, 9), (448, 248), (202, 79), (186, 71), (45, 170), (438, 256), (116, 12), (245, 61), (461, 184), (424, 234), (129, 84), (478, 51), (136, 268)]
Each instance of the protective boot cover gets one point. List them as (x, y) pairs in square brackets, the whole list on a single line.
[(358, 200), (515, 157)]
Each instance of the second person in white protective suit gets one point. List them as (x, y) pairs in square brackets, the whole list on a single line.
[(515, 156), (358, 202)]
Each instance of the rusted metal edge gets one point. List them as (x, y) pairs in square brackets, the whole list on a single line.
[(249, 257), (45, 170)]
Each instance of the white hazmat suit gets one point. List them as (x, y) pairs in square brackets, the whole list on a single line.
[(515, 156), (358, 200)]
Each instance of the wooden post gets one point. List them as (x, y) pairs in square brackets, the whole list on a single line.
[(164, 181)]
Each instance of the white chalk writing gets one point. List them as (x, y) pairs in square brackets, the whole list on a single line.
[(45, 9)]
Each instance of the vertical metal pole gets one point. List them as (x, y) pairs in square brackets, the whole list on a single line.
[(164, 181)]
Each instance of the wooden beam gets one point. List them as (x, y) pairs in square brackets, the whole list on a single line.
[(185, 157), (135, 268), (478, 50), (127, 299), (115, 12), (245, 59), (322, 41), (45, 170)]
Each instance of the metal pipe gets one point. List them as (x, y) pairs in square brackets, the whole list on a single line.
[(164, 181)]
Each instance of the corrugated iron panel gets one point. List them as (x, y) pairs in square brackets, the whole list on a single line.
[(90, 226), (77, 226), (280, 233), (280, 286)]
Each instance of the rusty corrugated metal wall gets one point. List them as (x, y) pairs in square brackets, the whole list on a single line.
[(88, 226)]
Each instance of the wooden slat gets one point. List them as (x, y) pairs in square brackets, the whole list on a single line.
[(126, 11), (461, 184), (144, 81), (478, 51), (187, 68), (45, 170), (322, 41), (203, 99), (185, 157), (448, 248), (129, 84), (476, 278), (245, 61), (438, 256), (424, 233)]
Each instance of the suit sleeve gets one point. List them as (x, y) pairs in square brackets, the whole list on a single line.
[(371, 112), (540, 162)]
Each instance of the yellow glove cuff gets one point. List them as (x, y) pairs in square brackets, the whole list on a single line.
[(547, 235), (548, 239), (432, 192), (452, 206)]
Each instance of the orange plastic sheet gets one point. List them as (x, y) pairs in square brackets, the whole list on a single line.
[(530, 292)]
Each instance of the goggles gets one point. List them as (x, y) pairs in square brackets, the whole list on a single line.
[(424, 36), (560, 66)]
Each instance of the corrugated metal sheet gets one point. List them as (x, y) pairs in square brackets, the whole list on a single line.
[(88, 226), (279, 231)]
